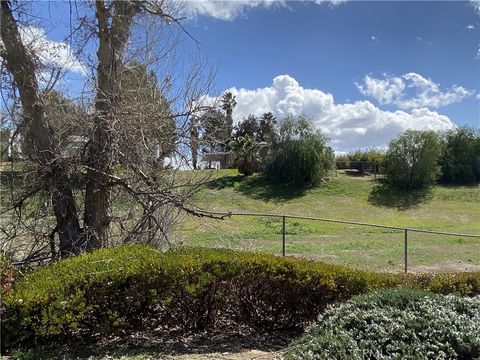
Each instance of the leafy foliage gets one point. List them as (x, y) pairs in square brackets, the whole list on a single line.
[(300, 154), (261, 129), (123, 289), (460, 160), (214, 130), (412, 159), (395, 324), (247, 149), (248, 126)]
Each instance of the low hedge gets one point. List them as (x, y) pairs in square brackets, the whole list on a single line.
[(124, 289), (394, 324)]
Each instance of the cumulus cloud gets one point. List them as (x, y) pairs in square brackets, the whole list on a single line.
[(358, 124), (50, 52), (226, 10), (470, 27), (411, 91), (230, 10), (384, 91)]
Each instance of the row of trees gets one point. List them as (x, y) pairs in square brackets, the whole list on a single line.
[(295, 151), (417, 159), (301, 154), (213, 130)]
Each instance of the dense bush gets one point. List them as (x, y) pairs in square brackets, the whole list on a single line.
[(460, 160), (300, 155), (247, 150), (395, 324), (117, 291), (412, 159)]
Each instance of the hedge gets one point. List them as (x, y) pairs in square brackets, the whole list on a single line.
[(124, 289), (394, 324)]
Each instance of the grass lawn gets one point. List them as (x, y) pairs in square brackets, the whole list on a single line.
[(346, 197)]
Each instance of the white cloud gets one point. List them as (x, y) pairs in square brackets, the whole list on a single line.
[(230, 10), (330, 2), (353, 125), (411, 91), (50, 52), (476, 5), (470, 27), (225, 10), (384, 91)]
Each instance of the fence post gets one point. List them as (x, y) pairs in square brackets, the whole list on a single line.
[(406, 248), (283, 236)]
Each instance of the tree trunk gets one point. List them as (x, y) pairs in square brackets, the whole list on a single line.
[(112, 42), (194, 139), (229, 123), (21, 65)]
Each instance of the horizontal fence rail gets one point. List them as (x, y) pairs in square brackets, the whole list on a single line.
[(408, 234)]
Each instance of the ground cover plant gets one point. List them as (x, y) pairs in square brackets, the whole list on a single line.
[(394, 324), (114, 292)]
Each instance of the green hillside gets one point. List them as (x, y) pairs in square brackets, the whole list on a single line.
[(345, 197)]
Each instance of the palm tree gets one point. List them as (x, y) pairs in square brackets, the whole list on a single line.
[(267, 126), (228, 104), (247, 149)]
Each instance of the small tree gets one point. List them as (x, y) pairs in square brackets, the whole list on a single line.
[(213, 124), (247, 149), (300, 155), (248, 126), (460, 160), (412, 159)]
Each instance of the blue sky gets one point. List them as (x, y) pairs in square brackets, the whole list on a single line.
[(363, 71)]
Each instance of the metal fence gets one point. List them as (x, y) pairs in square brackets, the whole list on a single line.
[(346, 242), (361, 167)]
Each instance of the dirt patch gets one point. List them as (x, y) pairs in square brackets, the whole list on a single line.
[(231, 345), (449, 266)]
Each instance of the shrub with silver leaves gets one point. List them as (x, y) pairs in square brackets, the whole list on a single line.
[(394, 324)]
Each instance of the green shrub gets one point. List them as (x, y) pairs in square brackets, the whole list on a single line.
[(412, 160), (460, 160), (394, 324), (300, 155), (124, 289)]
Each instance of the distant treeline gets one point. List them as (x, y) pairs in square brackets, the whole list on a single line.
[(417, 159)]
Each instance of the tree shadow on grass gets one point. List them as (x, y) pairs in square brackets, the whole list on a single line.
[(259, 187), (402, 199)]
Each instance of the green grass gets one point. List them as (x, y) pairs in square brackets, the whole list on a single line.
[(351, 198)]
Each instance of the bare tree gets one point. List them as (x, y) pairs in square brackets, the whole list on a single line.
[(22, 67), (115, 168)]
